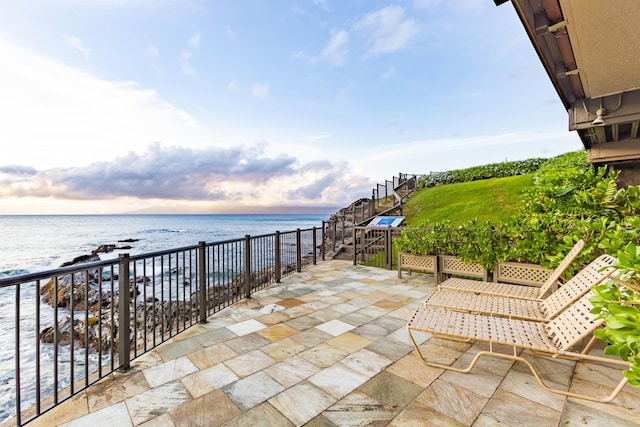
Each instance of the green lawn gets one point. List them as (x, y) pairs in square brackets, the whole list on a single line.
[(490, 199)]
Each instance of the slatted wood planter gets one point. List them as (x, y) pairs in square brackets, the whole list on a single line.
[(424, 263), (451, 265), (521, 273), (444, 266)]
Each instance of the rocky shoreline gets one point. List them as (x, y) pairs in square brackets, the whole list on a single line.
[(150, 320)]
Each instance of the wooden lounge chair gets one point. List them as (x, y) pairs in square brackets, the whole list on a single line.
[(510, 290), (537, 310), (555, 339)]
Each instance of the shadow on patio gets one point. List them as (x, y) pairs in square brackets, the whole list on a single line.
[(328, 347)]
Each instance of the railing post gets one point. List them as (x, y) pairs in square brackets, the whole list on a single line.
[(17, 354), (354, 221), (278, 261), (334, 236), (298, 251), (247, 266), (315, 242), (355, 246), (202, 295), (389, 248), (372, 207), (323, 246), (124, 331)]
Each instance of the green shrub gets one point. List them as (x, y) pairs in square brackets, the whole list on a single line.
[(618, 302), (493, 170), (568, 201)]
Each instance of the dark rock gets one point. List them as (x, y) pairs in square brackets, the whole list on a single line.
[(71, 290), (143, 279), (104, 248), (81, 259)]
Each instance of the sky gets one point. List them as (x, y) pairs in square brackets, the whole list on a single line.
[(115, 106)]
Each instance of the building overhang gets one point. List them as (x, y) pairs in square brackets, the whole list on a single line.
[(589, 49)]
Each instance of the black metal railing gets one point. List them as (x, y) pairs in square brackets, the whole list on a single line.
[(73, 326)]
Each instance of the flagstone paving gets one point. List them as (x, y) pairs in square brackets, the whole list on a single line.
[(328, 347)]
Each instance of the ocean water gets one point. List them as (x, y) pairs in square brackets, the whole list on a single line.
[(36, 243)]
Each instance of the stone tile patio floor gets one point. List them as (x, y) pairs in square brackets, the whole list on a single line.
[(328, 347)]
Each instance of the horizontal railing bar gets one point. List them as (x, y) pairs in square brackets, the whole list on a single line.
[(31, 277), (163, 252)]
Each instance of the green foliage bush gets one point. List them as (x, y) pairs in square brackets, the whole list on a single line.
[(618, 302), (493, 170), (568, 201)]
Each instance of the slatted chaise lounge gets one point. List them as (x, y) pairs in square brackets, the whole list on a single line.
[(514, 291), (556, 338), (536, 310)]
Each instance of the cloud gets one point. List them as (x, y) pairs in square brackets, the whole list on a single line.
[(186, 68), (316, 138), (18, 170), (327, 181), (388, 30), (423, 4), (388, 74), (314, 189), (190, 175), (334, 52), (322, 3), (80, 118), (75, 43), (185, 56), (175, 173), (153, 51), (260, 91), (194, 41), (456, 6)]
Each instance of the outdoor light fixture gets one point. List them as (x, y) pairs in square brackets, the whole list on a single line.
[(601, 112)]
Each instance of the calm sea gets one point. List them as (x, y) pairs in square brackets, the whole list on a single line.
[(36, 243)]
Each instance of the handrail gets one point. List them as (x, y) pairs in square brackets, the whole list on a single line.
[(341, 227), (74, 325)]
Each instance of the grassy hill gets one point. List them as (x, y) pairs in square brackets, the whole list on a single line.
[(491, 199)]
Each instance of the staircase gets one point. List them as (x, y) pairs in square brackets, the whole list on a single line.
[(386, 200)]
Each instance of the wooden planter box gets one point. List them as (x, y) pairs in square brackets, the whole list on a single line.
[(520, 273), (444, 266), (424, 263), (453, 266)]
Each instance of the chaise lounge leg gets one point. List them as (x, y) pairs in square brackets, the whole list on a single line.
[(534, 371)]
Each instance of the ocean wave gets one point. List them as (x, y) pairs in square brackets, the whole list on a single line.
[(10, 273), (165, 230)]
